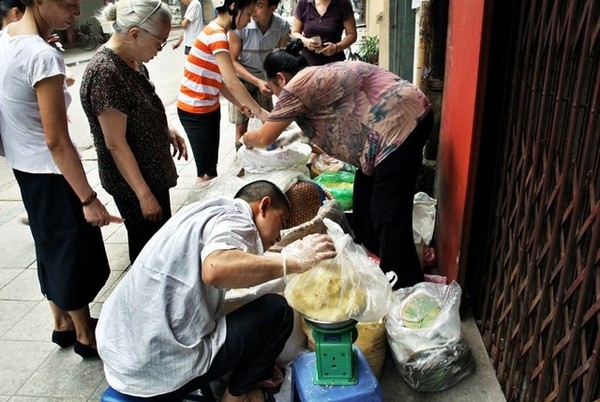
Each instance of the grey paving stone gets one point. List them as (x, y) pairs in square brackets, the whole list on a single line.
[(119, 232), (8, 274), (64, 374), (36, 325), (113, 279), (11, 312), (16, 245), (10, 210), (43, 399), (19, 360), (118, 256), (24, 287)]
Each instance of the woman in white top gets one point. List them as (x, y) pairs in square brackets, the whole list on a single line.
[(64, 212), (10, 11)]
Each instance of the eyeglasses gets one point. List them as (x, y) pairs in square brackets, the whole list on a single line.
[(163, 43)]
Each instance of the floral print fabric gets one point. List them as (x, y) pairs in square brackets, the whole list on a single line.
[(354, 111)]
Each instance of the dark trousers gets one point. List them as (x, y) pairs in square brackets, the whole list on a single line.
[(203, 131), (383, 204), (139, 229), (256, 335)]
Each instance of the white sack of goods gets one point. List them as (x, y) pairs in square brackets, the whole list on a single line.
[(349, 286), (288, 152), (424, 334)]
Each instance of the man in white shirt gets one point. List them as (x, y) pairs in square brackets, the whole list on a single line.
[(192, 25), (161, 334)]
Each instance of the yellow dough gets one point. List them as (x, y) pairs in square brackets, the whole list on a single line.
[(327, 293)]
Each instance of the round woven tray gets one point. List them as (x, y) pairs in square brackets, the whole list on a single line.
[(305, 200)]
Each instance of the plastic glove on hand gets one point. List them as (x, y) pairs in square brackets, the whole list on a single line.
[(305, 253)]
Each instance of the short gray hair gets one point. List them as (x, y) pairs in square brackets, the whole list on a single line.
[(125, 14)]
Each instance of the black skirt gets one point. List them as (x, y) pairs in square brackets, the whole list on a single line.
[(71, 259)]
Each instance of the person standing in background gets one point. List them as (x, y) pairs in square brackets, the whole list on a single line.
[(192, 25), (64, 212), (208, 73), (128, 120), (10, 11), (248, 48), (319, 24)]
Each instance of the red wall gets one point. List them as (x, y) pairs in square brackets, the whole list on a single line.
[(459, 133)]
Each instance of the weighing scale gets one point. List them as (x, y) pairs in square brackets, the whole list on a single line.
[(336, 361)]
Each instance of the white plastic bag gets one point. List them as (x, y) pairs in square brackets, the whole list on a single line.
[(433, 357), (287, 152), (294, 155), (349, 286), (423, 218)]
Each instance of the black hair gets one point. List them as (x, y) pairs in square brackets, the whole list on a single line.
[(288, 60), (237, 5), (6, 5), (256, 190), (274, 3)]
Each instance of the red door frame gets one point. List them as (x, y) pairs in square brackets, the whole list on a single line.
[(460, 131)]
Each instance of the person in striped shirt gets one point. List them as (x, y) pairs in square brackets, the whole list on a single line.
[(209, 73)]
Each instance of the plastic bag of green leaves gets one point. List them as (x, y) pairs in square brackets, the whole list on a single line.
[(423, 331), (340, 185)]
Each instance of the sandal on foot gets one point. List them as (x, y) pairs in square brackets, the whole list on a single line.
[(64, 338), (85, 351)]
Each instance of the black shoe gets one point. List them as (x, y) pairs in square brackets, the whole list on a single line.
[(85, 351), (64, 338)]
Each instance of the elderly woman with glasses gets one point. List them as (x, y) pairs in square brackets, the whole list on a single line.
[(128, 120)]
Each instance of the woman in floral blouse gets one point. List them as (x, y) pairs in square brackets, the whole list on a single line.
[(364, 115)]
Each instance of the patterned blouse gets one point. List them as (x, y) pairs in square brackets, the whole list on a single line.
[(356, 112), (108, 82)]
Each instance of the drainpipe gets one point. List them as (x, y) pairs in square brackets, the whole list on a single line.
[(422, 66)]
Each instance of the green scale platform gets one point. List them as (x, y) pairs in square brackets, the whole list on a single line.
[(336, 360)]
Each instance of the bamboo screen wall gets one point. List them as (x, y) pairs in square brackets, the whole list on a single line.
[(539, 293)]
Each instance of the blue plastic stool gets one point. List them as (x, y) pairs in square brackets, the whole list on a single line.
[(112, 395), (305, 390)]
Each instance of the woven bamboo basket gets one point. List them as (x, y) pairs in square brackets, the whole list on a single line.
[(307, 212)]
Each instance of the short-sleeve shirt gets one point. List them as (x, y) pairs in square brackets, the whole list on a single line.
[(160, 327), (109, 83), (356, 112), (26, 60), (202, 80), (193, 14), (329, 26), (256, 45)]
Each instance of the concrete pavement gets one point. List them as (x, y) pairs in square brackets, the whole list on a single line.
[(32, 368)]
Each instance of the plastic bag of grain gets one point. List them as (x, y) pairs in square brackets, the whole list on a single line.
[(423, 331)]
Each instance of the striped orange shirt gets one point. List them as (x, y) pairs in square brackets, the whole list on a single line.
[(202, 80)]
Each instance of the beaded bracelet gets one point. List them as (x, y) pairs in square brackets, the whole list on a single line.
[(90, 199)]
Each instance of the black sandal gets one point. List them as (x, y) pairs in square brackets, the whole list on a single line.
[(64, 339)]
